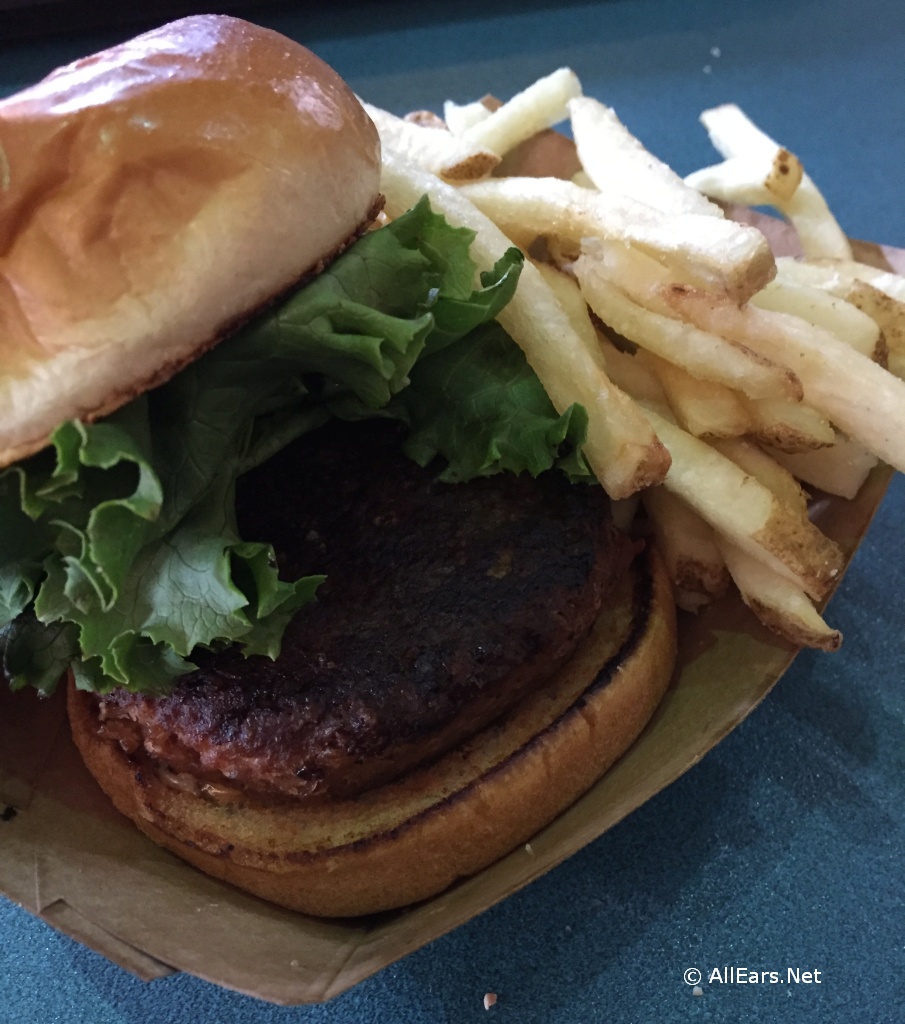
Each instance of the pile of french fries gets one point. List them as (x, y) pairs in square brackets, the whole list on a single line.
[(717, 377)]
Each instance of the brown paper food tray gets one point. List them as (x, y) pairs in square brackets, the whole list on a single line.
[(69, 858)]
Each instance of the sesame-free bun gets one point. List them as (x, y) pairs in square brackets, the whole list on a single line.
[(155, 195), (412, 838)]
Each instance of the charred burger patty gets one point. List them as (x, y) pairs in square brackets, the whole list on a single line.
[(442, 605)]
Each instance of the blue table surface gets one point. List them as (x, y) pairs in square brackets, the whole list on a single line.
[(783, 848)]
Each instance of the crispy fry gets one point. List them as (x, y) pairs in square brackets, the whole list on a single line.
[(840, 469), (703, 408), (788, 426), (704, 354), (836, 275), (740, 508), (632, 373), (858, 396), (778, 603), (889, 316), (761, 178), (734, 135), (879, 294), (822, 309), (541, 105), (762, 466), (785, 174), (569, 296), (440, 152), (703, 250), (460, 117), (693, 560), (618, 163)]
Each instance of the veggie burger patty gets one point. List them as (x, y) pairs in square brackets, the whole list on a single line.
[(442, 605)]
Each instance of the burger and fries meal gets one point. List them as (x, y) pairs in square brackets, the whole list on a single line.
[(356, 463)]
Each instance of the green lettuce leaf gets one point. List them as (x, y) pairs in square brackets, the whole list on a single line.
[(23, 545), (36, 654), (478, 405)]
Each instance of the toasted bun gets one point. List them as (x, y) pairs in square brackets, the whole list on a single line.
[(154, 196), (411, 839)]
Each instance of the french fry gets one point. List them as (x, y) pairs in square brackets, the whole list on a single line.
[(784, 175), (879, 294), (732, 181), (773, 591), (448, 156), (569, 296), (693, 560), (778, 603), (460, 117), (858, 396), (621, 447), (618, 163), (840, 469), (889, 316), (764, 467), (788, 426), (703, 354), (703, 408), (703, 250), (632, 373), (541, 105), (741, 509), (837, 275), (735, 136), (760, 179), (830, 312), (623, 512)]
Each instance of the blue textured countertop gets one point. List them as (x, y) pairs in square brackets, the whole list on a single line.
[(784, 847)]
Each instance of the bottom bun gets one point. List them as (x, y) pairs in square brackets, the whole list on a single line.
[(410, 839)]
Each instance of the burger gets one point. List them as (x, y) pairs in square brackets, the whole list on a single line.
[(341, 611)]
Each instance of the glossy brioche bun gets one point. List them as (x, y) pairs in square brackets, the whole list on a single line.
[(154, 196), (410, 839)]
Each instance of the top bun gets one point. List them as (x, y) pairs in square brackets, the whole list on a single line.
[(155, 195)]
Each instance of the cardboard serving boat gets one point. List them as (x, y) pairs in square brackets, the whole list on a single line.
[(68, 857)]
